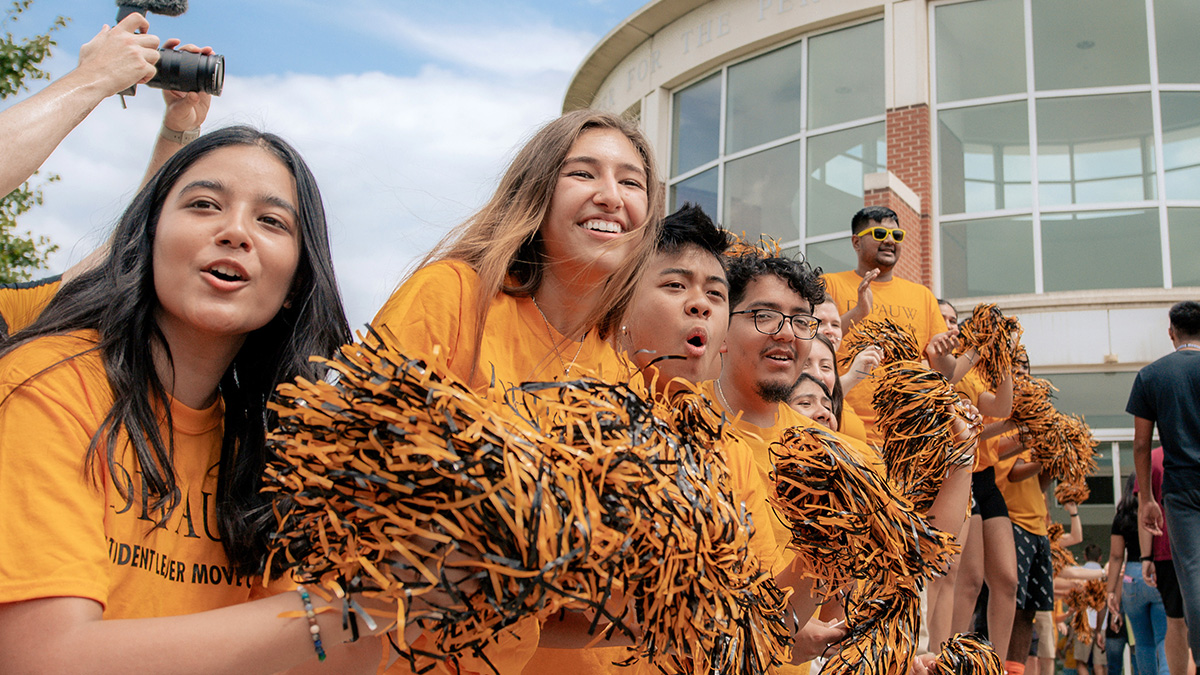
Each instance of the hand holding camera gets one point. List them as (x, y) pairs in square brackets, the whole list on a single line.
[(120, 56), (186, 70)]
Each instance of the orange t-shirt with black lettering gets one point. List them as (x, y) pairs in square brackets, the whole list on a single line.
[(908, 304), (70, 532)]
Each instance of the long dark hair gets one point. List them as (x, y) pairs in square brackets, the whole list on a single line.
[(117, 299), (1127, 509)]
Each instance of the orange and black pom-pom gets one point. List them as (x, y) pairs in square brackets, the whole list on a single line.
[(853, 532), (472, 512), (898, 343), (992, 335), (917, 410), (968, 654), (1092, 595)]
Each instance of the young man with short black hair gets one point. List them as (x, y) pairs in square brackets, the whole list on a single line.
[(1166, 395)]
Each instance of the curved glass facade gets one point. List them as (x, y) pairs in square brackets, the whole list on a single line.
[(779, 143), (1067, 140)]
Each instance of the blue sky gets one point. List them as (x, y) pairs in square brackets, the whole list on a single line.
[(407, 111)]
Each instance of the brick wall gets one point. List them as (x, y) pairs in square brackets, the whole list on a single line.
[(909, 158)]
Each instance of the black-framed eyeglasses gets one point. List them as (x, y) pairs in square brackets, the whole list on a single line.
[(770, 322)]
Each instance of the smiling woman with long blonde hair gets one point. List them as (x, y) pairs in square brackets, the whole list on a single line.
[(534, 283)]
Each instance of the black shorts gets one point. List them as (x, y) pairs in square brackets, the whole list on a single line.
[(1035, 575), (1168, 588), (989, 501)]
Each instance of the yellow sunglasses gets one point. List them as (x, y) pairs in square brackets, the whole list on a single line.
[(879, 233)]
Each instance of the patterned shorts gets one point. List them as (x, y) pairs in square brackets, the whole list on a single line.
[(1035, 575)]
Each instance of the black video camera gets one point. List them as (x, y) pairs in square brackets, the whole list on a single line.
[(178, 71)]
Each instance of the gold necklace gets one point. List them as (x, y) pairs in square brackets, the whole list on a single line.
[(554, 343)]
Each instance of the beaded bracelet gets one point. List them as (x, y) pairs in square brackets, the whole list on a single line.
[(313, 627)]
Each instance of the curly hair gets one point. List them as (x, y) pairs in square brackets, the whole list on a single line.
[(740, 270)]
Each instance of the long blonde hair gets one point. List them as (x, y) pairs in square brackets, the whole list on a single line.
[(502, 241)]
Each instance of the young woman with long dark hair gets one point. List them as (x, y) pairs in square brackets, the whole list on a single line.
[(133, 416)]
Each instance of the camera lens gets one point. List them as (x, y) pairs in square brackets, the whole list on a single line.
[(186, 71)]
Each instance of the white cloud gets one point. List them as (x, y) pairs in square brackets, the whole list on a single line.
[(481, 42), (399, 160)]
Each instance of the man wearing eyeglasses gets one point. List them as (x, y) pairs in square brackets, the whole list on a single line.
[(771, 327), (871, 291)]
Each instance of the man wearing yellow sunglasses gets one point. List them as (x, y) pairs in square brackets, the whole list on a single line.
[(872, 291)]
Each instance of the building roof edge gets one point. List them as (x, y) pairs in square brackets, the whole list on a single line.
[(617, 44)]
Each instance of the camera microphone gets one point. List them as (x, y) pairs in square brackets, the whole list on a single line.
[(178, 71), (143, 7)]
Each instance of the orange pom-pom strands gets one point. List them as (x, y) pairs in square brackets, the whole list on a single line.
[(917, 411), (992, 335), (967, 654), (897, 343), (884, 619), (1092, 595), (1060, 557), (473, 512), (853, 531), (849, 523), (1062, 443)]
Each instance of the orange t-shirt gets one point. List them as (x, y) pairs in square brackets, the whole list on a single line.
[(908, 304), (437, 306), (852, 424), (971, 387), (68, 532), (22, 303), (1025, 500)]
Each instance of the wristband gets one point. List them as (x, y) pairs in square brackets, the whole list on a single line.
[(180, 137), (1073, 514), (1147, 558)]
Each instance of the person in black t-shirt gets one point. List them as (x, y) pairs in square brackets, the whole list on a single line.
[(1166, 394)]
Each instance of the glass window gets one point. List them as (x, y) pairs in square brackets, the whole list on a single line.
[(836, 255), (1089, 43), (1185, 246), (987, 257), (700, 189), (968, 67), (845, 75), (837, 163), (1099, 397), (1175, 23), (696, 125), (1181, 144), (1114, 249), (1095, 149), (983, 157), (763, 101), (762, 193)]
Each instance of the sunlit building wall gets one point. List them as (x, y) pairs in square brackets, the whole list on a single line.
[(1043, 155)]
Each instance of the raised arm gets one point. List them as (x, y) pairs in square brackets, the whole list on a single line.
[(110, 62)]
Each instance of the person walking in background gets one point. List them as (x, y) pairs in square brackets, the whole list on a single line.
[(1129, 593), (1166, 395)]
